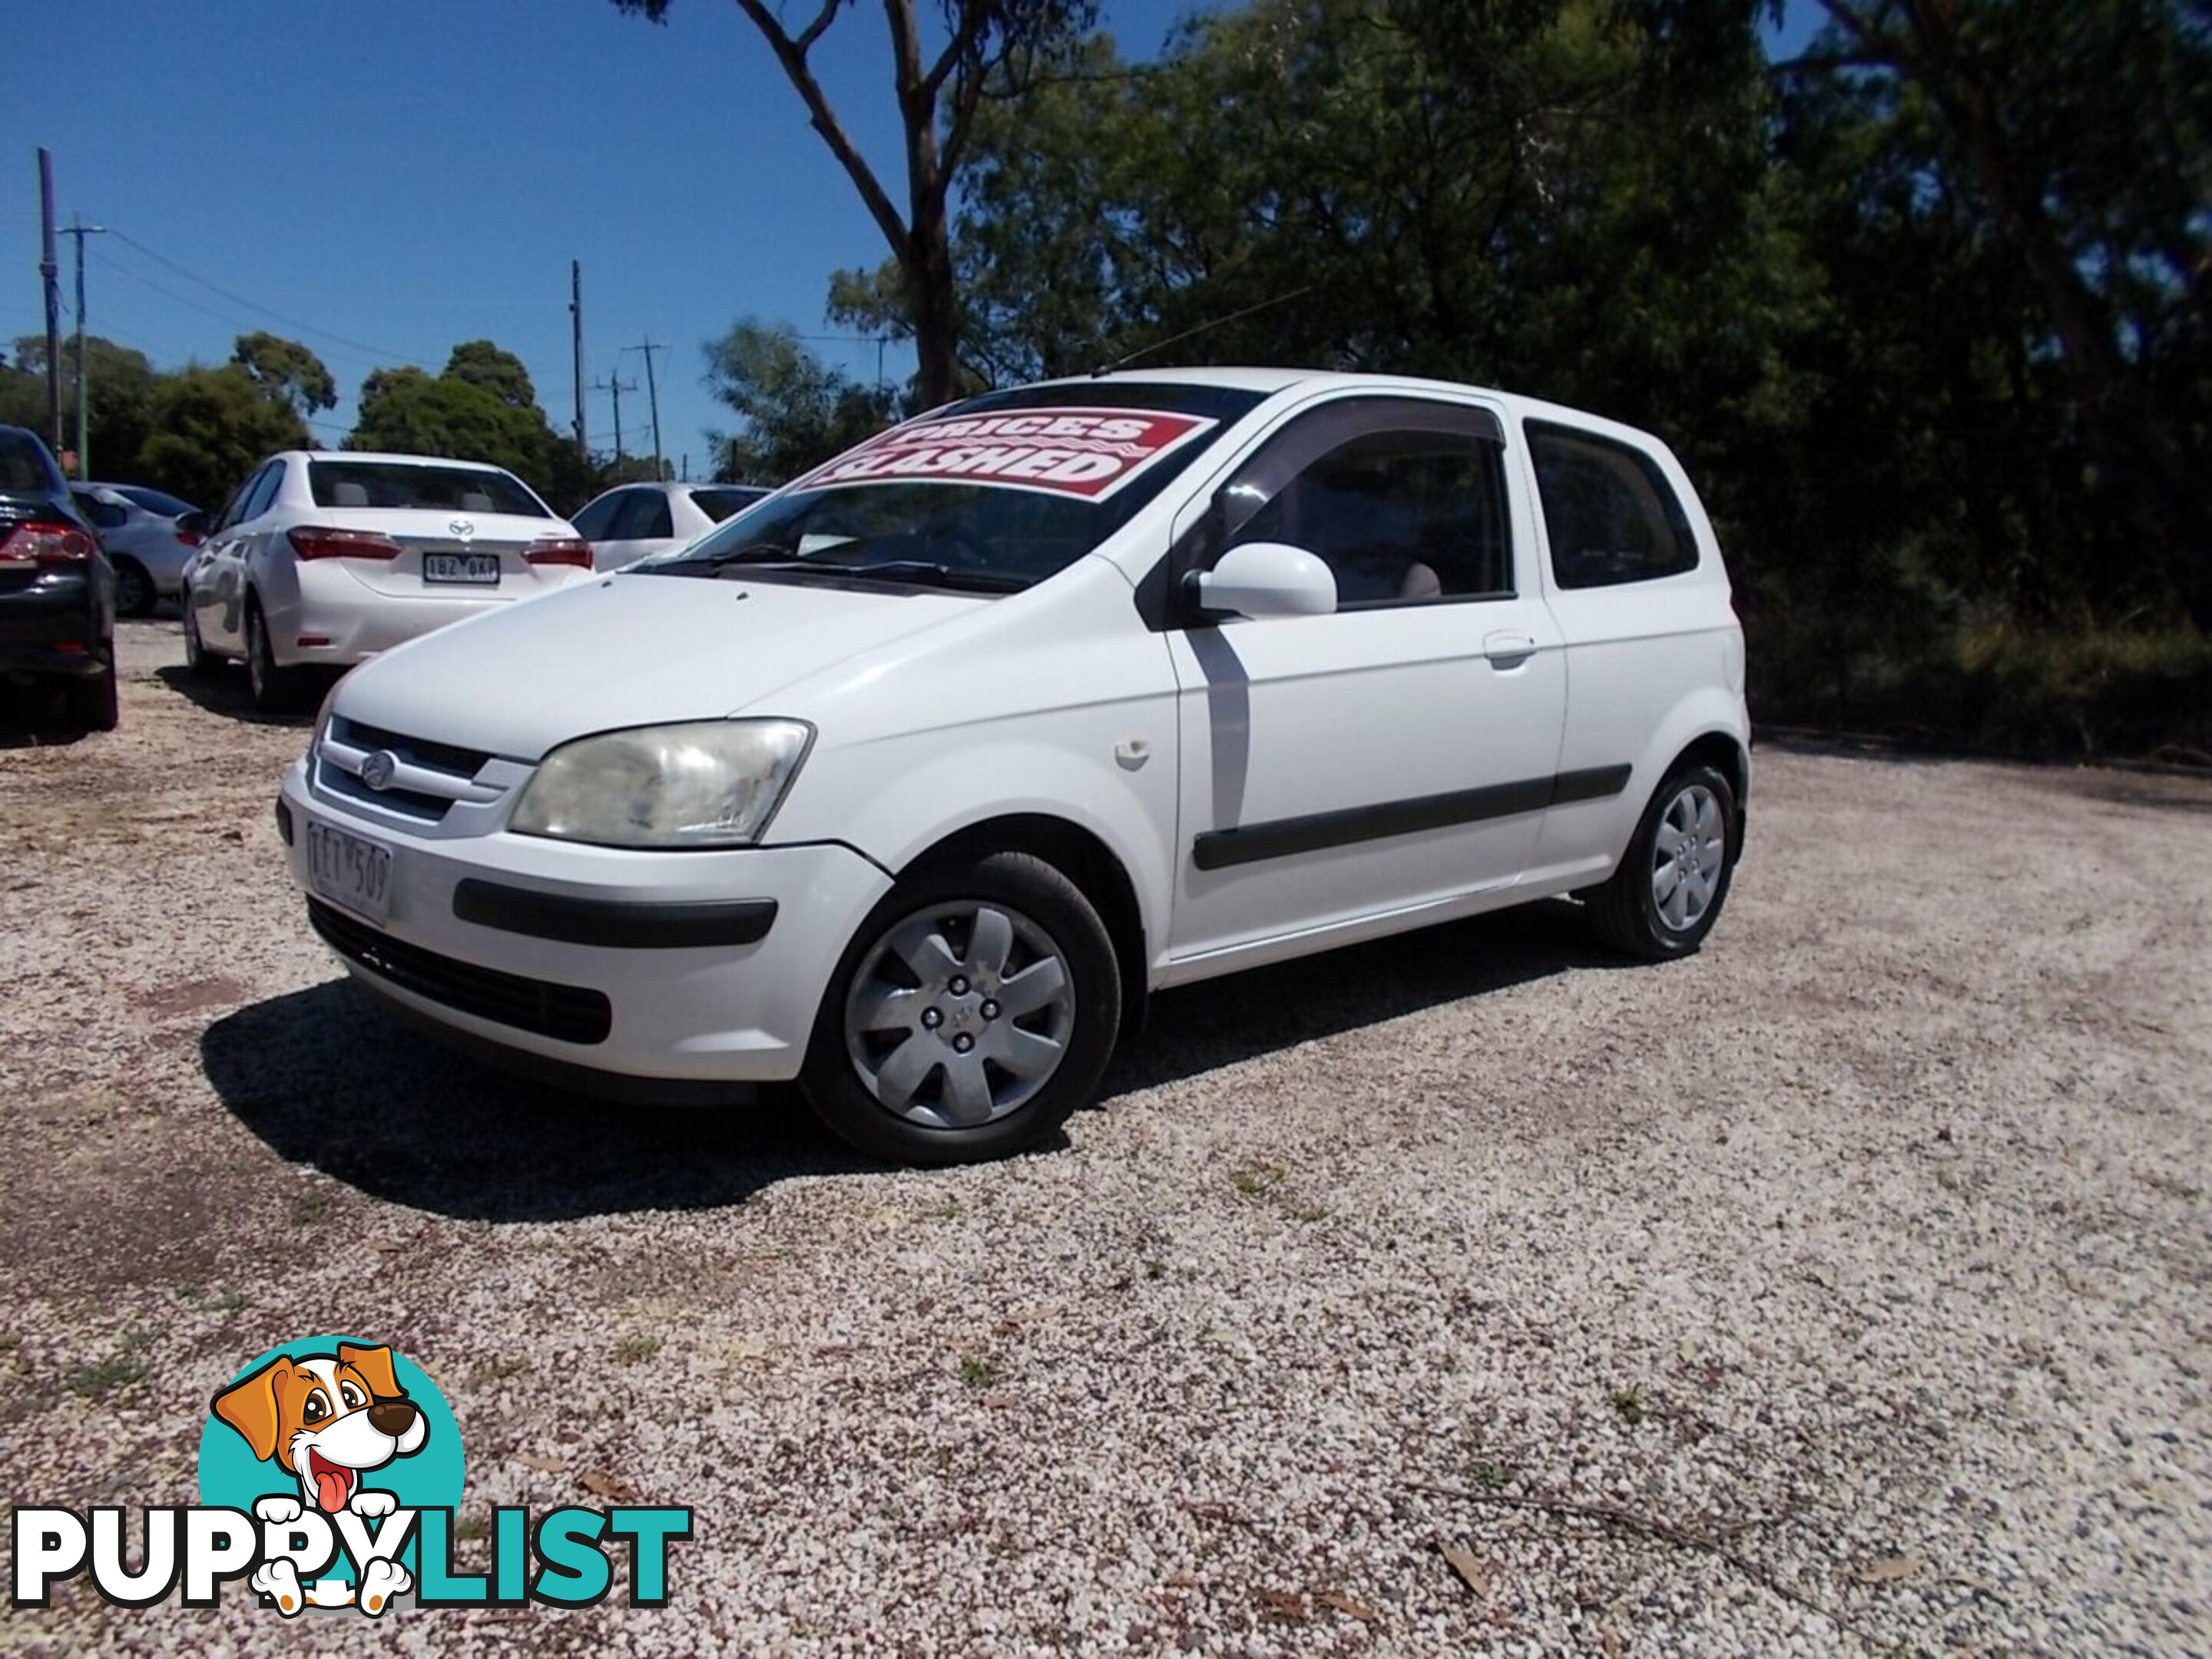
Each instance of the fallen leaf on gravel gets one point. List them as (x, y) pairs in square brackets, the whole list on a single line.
[(1469, 1567), (543, 1465), (605, 1486), (1889, 1569), (1288, 1604), (1345, 1605), (191, 997)]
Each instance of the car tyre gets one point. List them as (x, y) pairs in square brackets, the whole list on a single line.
[(1667, 891), (94, 704), (974, 1011), (133, 589), (276, 690), (200, 663)]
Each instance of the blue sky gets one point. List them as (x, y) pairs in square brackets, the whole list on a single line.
[(380, 180)]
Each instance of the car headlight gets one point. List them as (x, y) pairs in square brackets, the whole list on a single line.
[(706, 783)]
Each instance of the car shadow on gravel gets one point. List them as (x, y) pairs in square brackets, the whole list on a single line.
[(1218, 1022), (226, 694), (328, 1078)]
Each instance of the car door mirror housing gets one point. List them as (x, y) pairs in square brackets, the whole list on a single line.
[(1264, 578)]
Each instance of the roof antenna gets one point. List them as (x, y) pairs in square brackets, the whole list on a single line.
[(1206, 327)]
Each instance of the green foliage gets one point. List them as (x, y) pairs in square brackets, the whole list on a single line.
[(498, 371), (1925, 313), (286, 371), (122, 381), (795, 411), (211, 428)]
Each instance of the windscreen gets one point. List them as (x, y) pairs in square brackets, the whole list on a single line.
[(437, 489), (992, 494)]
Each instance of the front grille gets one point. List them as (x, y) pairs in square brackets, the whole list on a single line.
[(435, 776), (568, 1013), (464, 763)]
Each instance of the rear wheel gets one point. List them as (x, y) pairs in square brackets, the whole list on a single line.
[(973, 1012), (133, 589), (93, 704), (199, 662), (276, 690), (1668, 893)]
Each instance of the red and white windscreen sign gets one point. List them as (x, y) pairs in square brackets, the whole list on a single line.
[(1087, 453)]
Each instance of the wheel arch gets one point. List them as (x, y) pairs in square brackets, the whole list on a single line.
[(1725, 754), (1085, 859)]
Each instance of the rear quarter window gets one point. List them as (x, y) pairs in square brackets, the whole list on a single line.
[(1609, 513)]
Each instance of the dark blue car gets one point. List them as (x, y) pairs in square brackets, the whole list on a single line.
[(56, 588)]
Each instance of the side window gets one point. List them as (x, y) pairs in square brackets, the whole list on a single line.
[(264, 491), (1404, 502), (593, 522), (236, 509), (644, 515), (1608, 510)]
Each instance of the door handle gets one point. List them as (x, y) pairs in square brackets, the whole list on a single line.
[(1507, 649)]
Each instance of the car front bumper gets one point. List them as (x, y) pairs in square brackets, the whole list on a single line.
[(688, 967)]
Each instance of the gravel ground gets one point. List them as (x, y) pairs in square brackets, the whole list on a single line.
[(1842, 1290)]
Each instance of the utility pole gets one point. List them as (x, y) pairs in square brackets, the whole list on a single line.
[(79, 229), (50, 274), (649, 348), (615, 385), (576, 338)]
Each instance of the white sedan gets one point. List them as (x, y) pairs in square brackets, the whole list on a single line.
[(324, 559), (638, 521)]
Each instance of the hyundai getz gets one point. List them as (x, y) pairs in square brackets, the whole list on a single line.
[(914, 779)]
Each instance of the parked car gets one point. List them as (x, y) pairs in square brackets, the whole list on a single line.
[(323, 559), (634, 522), (148, 536), (915, 781), (56, 588)]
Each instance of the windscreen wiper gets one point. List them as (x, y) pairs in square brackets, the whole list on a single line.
[(921, 571)]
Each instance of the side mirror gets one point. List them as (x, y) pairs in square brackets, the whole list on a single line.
[(1265, 579), (191, 525)]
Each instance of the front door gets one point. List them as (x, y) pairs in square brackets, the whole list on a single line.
[(1397, 754)]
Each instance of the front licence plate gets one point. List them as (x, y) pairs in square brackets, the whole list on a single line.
[(350, 871), (472, 569)]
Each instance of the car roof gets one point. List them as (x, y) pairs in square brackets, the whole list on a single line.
[(383, 457), (1271, 381)]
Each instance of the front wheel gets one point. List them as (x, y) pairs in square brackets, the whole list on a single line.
[(973, 1012), (1668, 893), (199, 662)]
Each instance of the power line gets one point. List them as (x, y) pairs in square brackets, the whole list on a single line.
[(270, 311), (231, 318)]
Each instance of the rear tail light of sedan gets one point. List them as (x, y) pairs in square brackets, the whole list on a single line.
[(44, 542), (315, 542), (560, 549)]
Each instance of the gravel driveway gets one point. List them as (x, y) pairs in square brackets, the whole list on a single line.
[(1846, 1289)]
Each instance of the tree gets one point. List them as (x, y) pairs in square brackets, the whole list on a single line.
[(412, 413), (988, 47), (211, 428), (498, 371), (286, 371), (794, 411)]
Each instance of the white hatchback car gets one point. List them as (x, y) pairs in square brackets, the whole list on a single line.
[(635, 521), (913, 781), (324, 558)]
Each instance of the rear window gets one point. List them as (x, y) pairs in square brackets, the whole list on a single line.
[(155, 500), (719, 504), (25, 466), (437, 489)]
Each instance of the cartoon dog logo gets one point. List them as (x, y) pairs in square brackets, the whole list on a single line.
[(326, 1421)]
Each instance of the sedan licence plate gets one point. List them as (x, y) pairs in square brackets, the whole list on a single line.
[(472, 569), (351, 871)]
